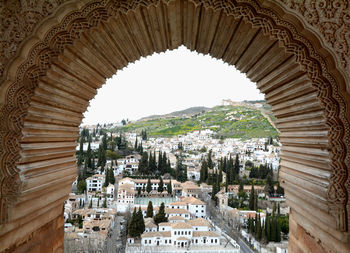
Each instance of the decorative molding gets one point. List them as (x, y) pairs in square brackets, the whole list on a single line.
[(40, 57), (332, 20)]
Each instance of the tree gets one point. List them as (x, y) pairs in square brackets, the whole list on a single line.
[(161, 185), (269, 185), (149, 212), (251, 198), (136, 145), (169, 188), (90, 205), (236, 166), (279, 190), (160, 216), (273, 229), (149, 185), (132, 228), (81, 186), (278, 229), (258, 228), (104, 205), (98, 202), (143, 165), (144, 135), (255, 201), (204, 171), (140, 222), (210, 162)]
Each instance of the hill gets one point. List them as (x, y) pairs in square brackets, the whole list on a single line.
[(227, 121), (187, 112)]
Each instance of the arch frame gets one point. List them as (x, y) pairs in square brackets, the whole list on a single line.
[(38, 52)]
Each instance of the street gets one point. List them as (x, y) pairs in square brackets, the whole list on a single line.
[(219, 221)]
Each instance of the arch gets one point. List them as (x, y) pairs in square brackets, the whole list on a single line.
[(48, 85)]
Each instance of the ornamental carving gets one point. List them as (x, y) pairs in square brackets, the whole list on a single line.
[(18, 20), (331, 19)]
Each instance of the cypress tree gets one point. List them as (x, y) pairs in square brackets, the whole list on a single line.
[(111, 176), (106, 178), (136, 145), (160, 216), (258, 229), (149, 185), (149, 213), (159, 163), (236, 166), (273, 229), (140, 222), (90, 205), (169, 188), (269, 185), (143, 165), (264, 235), (255, 201), (251, 198), (268, 228), (132, 228), (104, 205), (204, 171), (210, 162), (161, 185), (278, 229)]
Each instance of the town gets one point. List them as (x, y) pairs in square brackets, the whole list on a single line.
[(136, 193)]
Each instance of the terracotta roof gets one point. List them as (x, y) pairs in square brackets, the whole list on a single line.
[(199, 222), (182, 238), (164, 224), (176, 218), (178, 203), (176, 210), (192, 201), (156, 234), (205, 233), (181, 225)]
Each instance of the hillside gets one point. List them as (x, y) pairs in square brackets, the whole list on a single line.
[(187, 112), (227, 121)]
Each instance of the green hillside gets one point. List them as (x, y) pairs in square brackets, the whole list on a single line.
[(227, 122)]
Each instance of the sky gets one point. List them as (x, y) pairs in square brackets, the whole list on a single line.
[(167, 82)]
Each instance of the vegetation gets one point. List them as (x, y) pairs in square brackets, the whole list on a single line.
[(136, 224), (160, 216), (270, 230), (225, 121), (149, 212)]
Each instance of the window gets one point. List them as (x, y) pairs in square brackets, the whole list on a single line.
[(145, 241), (174, 232), (169, 241), (149, 241), (182, 232), (166, 241), (216, 240)]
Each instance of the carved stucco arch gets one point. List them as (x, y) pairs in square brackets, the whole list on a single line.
[(315, 58)]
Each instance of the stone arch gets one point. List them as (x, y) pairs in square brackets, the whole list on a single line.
[(303, 78)]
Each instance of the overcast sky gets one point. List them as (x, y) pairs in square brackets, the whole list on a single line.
[(167, 82)]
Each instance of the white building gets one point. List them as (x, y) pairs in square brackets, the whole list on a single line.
[(125, 194), (190, 236), (95, 183)]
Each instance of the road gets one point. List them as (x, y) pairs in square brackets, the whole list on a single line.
[(114, 242), (219, 221)]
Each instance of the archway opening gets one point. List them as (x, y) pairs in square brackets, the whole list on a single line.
[(244, 35)]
